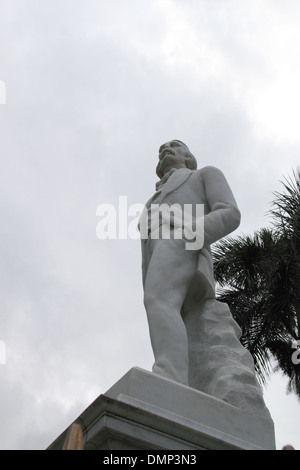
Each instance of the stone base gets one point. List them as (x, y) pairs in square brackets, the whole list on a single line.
[(144, 411)]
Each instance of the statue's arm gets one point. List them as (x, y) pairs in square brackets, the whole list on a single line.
[(224, 216)]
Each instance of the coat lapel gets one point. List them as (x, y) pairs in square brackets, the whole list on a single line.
[(176, 179)]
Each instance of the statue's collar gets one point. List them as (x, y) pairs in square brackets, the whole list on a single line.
[(165, 178)]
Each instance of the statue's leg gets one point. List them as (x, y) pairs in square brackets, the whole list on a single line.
[(218, 364), (169, 273)]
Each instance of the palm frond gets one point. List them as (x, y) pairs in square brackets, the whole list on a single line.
[(244, 261), (286, 212), (258, 277)]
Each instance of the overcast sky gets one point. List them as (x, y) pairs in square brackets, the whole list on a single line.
[(92, 89)]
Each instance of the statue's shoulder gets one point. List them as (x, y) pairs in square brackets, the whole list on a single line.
[(207, 172)]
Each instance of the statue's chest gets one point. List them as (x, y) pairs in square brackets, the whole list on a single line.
[(187, 194)]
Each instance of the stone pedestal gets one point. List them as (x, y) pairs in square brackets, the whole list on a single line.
[(144, 411)]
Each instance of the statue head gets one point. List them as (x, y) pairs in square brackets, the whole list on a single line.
[(174, 154)]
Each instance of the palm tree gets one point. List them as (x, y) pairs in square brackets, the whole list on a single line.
[(259, 278)]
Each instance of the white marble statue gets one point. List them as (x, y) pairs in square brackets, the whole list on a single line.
[(194, 337)]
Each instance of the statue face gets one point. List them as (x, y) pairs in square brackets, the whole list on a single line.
[(172, 155)]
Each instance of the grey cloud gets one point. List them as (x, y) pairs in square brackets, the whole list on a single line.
[(91, 96)]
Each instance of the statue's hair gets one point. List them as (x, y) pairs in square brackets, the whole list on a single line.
[(190, 160)]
